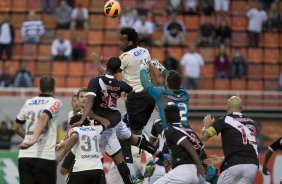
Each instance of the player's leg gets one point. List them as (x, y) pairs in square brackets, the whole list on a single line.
[(45, 171), (26, 171), (78, 178), (183, 174), (97, 177), (230, 175), (248, 174), (122, 167)]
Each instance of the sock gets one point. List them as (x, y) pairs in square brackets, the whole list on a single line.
[(124, 172), (147, 146)]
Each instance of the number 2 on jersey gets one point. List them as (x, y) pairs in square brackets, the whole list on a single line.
[(183, 110)]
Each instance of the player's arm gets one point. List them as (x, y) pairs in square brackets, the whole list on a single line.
[(208, 131), (272, 148), (191, 151), (145, 81), (17, 128), (98, 61), (40, 124), (155, 63), (68, 145), (214, 160)]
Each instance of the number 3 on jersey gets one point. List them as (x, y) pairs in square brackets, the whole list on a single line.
[(183, 109)]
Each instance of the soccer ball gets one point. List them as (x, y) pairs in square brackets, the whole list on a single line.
[(112, 8)]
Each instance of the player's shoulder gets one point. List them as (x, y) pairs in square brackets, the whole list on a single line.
[(157, 122)]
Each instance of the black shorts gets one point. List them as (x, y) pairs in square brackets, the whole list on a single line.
[(37, 170), (139, 109), (87, 177), (68, 161)]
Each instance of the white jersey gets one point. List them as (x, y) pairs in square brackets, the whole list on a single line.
[(86, 150), (29, 114), (130, 65)]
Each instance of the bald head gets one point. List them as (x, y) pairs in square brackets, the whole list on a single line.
[(234, 104)]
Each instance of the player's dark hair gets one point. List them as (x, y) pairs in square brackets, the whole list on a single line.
[(173, 80), (77, 117), (172, 114), (131, 34), (47, 84), (81, 90), (113, 65)]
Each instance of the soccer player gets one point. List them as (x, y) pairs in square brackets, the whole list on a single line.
[(37, 151), (272, 148), (186, 149), (80, 99), (75, 106), (238, 133), (84, 140), (102, 95)]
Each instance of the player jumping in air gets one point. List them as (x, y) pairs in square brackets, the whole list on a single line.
[(37, 151)]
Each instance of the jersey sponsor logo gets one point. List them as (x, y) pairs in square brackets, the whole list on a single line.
[(38, 102), (139, 52), (55, 106)]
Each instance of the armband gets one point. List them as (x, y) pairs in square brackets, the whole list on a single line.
[(211, 131)]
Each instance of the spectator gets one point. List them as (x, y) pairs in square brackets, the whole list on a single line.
[(192, 63), (128, 17), (47, 5), (145, 30), (257, 17), (174, 32), (223, 33), (221, 64), (207, 33), (174, 6), (280, 82), (79, 17), (7, 35), (170, 62), (61, 48), (221, 5), (23, 77), (5, 135), (141, 9), (71, 3), (238, 65), (6, 79), (266, 4), (63, 15), (78, 49), (274, 20), (32, 29), (208, 7), (190, 6)]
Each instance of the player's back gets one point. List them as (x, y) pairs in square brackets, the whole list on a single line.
[(130, 66), (86, 150), (30, 112)]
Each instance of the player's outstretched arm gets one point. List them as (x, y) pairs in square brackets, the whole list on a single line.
[(98, 61), (69, 144), (40, 124), (16, 127), (268, 155), (145, 81), (208, 131), (191, 151), (213, 160), (155, 63)]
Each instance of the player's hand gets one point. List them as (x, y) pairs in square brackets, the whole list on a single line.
[(59, 158), (96, 58), (155, 63), (79, 123), (168, 165), (59, 146), (213, 160), (265, 171), (201, 170), (208, 120), (26, 145)]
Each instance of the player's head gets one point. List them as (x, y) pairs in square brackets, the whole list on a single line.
[(113, 65), (77, 117), (47, 84), (128, 37), (172, 114), (173, 81), (234, 104), (81, 97), (75, 104)]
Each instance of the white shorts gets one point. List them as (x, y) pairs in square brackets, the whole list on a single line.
[(122, 131), (182, 174), (239, 174), (109, 142), (158, 173), (221, 5)]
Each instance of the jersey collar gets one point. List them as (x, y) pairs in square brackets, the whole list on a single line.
[(109, 76), (237, 113), (45, 95), (130, 48)]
